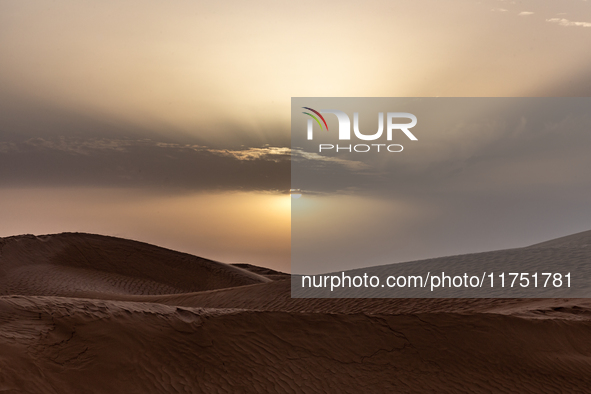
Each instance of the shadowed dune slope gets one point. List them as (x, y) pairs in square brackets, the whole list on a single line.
[(71, 263), (95, 346), (97, 314)]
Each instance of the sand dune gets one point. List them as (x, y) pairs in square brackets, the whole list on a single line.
[(566, 255), (88, 314), (579, 240), (72, 263)]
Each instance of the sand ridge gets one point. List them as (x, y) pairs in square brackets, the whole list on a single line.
[(81, 313), (74, 262)]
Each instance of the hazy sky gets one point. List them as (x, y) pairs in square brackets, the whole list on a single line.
[(180, 106), (483, 174)]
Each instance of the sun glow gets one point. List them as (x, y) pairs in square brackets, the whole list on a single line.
[(253, 227)]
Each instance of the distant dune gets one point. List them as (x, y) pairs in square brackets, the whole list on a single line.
[(72, 263), (566, 256), (82, 313)]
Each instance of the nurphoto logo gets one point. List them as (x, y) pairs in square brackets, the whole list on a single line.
[(345, 130)]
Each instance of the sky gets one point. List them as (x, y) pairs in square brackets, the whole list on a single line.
[(169, 122), (483, 173)]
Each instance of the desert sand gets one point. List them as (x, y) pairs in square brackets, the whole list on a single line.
[(82, 313)]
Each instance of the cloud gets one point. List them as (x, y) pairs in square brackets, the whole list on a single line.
[(525, 13), (499, 10), (267, 153), (72, 146), (69, 161), (567, 23), (351, 165), (145, 163)]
